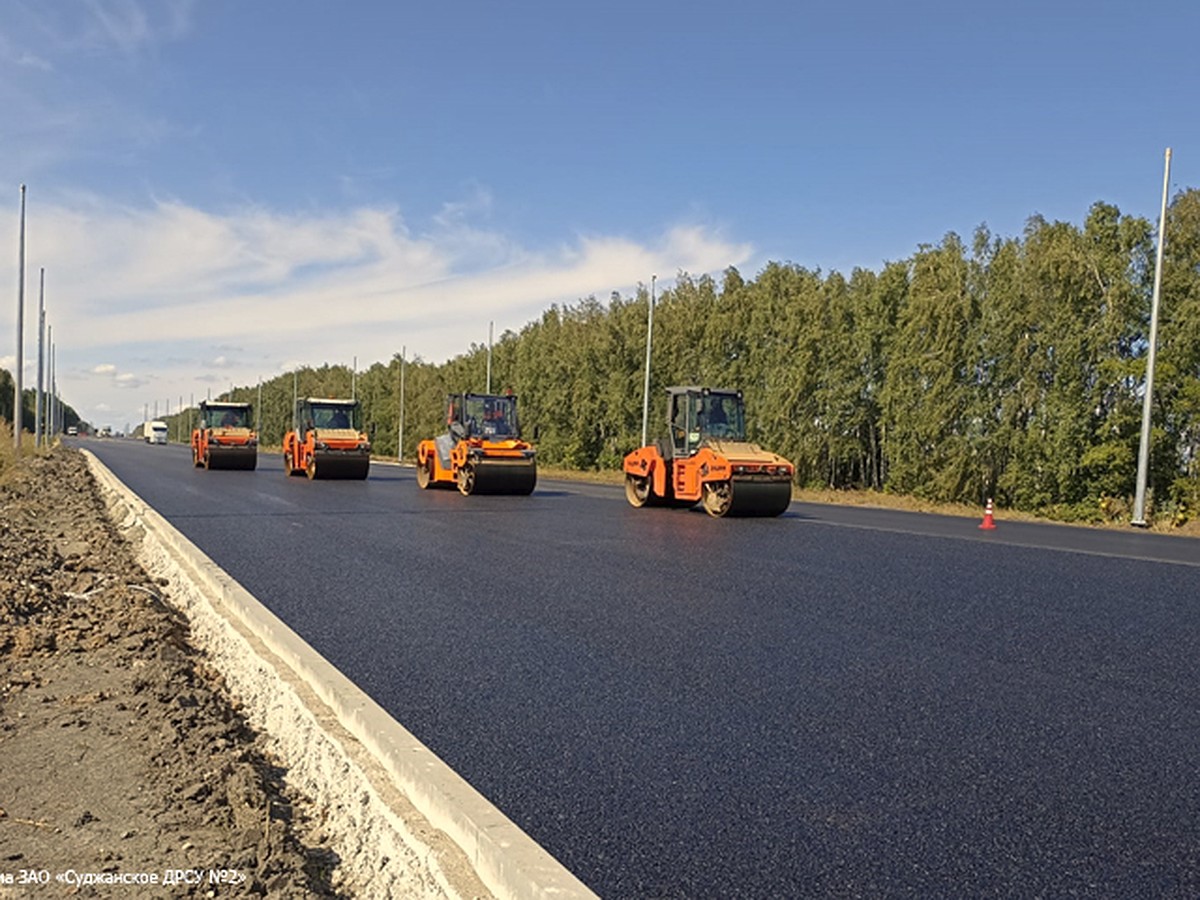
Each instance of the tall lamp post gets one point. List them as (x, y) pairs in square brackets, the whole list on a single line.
[(1139, 503), (37, 406), (646, 389), (20, 332), (400, 432)]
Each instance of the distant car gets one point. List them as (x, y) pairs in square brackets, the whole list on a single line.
[(72, 431)]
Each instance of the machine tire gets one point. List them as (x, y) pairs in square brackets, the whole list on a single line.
[(425, 474), (196, 459), (466, 480), (207, 462), (718, 498), (637, 490), (287, 464), (311, 469)]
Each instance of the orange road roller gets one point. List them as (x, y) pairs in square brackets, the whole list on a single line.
[(225, 437), (327, 440), (482, 451), (707, 459)]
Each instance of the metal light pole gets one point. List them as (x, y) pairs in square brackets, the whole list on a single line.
[(37, 408), (488, 390), (50, 385), (400, 435), (17, 386), (1139, 503), (47, 418), (55, 403), (646, 390)]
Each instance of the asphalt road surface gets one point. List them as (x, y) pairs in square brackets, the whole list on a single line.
[(836, 702)]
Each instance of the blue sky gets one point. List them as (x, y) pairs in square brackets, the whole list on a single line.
[(221, 190)]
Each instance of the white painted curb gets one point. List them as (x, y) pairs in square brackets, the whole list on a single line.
[(503, 857)]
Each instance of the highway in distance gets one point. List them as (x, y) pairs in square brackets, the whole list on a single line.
[(834, 702)]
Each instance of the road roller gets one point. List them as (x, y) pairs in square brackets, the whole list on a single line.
[(482, 451), (706, 459), (225, 438), (327, 440)]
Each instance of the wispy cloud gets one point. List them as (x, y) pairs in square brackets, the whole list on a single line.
[(190, 296), (112, 376), (61, 103), (172, 272), (128, 381), (125, 25), (21, 57)]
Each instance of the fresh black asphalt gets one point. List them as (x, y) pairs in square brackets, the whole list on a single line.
[(832, 703)]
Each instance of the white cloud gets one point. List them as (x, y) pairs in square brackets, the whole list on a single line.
[(28, 367), (111, 375), (182, 294), (128, 381)]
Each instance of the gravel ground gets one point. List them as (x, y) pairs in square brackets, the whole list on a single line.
[(124, 759)]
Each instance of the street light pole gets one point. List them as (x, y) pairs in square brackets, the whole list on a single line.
[(55, 403), (400, 435), (37, 407), (1139, 503), (17, 386), (50, 384), (646, 389)]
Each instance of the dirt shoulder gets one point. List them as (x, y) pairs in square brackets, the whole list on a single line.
[(123, 758)]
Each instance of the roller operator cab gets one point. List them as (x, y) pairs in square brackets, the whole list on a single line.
[(327, 440), (482, 451), (225, 438), (706, 459)]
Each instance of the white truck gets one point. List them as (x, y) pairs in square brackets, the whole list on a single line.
[(155, 432)]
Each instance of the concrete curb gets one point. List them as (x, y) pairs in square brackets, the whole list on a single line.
[(505, 859)]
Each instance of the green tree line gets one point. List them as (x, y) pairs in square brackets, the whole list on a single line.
[(28, 406), (1011, 367)]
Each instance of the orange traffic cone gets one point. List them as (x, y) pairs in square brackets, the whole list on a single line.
[(988, 522)]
